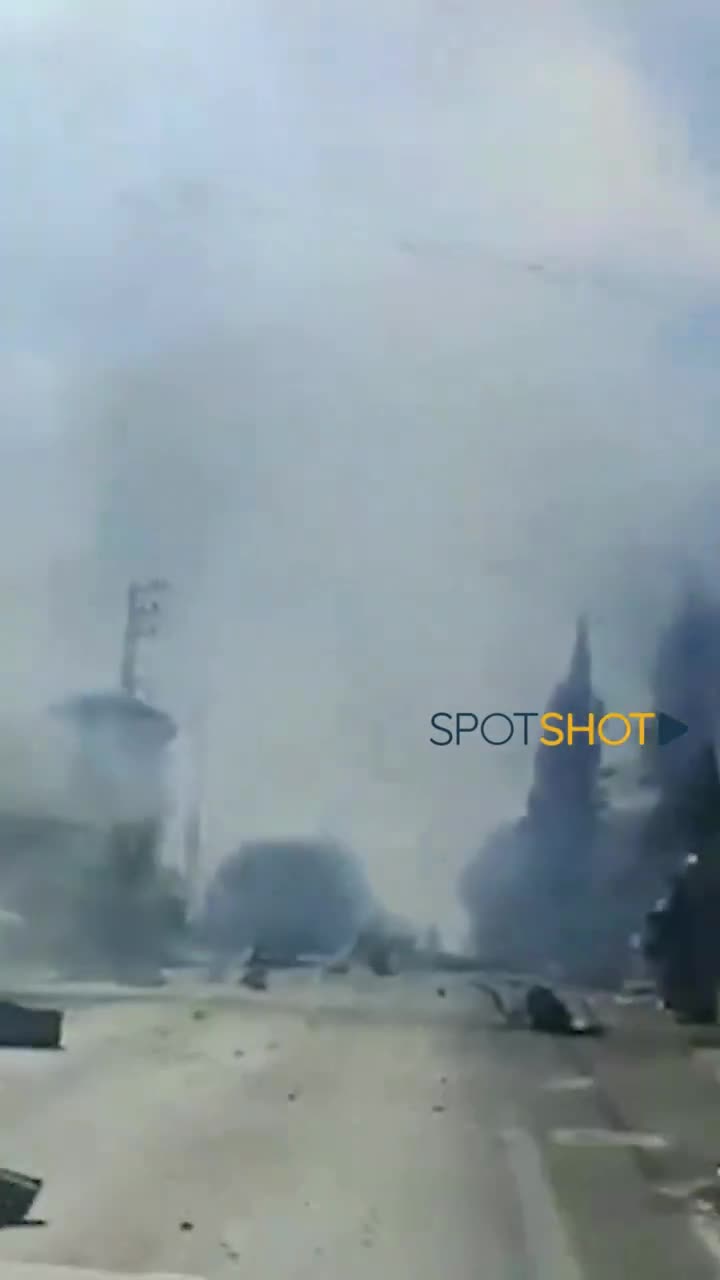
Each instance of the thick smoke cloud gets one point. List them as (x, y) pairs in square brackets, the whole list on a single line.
[(287, 898), (385, 338)]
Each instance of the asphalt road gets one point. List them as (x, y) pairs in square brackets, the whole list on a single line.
[(346, 1128)]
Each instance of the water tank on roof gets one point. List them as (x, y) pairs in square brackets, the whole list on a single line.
[(120, 766)]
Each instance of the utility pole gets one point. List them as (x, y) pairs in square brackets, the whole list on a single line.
[(143, 608), (194, 826)]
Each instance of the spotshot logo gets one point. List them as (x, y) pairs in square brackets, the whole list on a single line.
[(557, 729)]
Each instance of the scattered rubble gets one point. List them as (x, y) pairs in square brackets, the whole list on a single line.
[(18, 1193), (186, 1225), (441, 991), (24, 1028)]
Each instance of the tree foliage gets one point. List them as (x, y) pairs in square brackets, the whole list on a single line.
[(288, 897), (686, 684)]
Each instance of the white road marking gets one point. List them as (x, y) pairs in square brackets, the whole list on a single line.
[(570, 1084), (48, 1271), (608, 1138), (708, 1233), (683, 1190), (548, 1242)]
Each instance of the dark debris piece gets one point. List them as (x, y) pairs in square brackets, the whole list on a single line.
[(18, 1193), (25, 1028), (543, 1010), (256, 978)]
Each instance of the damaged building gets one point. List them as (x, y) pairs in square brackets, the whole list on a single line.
[(81, 866)]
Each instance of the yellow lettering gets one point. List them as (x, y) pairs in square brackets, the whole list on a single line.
[(614, 742), (552, 728), (588, 728), (642, 716)]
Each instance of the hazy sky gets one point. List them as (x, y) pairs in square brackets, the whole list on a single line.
[(388, 332)]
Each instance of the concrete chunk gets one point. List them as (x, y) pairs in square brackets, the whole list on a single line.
[(24, 1028), (18, 1193)]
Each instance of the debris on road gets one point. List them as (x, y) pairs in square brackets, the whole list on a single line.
[(381, 961), (186, 1225), (292, 1096), (547, 1012), (541, 1009), (18, 1193), (438, 1108), (635, 987), (256, 978), (441, 991), (24, 1028), (199, 1015)]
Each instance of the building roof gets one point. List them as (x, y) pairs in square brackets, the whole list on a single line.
[(107, 707)]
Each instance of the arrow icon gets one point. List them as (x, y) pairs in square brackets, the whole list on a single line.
[(668, 729)]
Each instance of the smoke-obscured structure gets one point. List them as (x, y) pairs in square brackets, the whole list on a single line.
[(130, 910), (81, 863)]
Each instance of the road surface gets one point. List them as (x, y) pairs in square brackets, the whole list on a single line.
[(343, 1128)]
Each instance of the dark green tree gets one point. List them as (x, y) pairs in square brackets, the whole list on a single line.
[(528, 890), (686, 684)]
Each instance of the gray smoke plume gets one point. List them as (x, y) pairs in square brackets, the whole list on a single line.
[(288, 898), (307, 304)]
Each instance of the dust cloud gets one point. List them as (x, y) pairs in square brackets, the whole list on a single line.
[(373, 334)]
